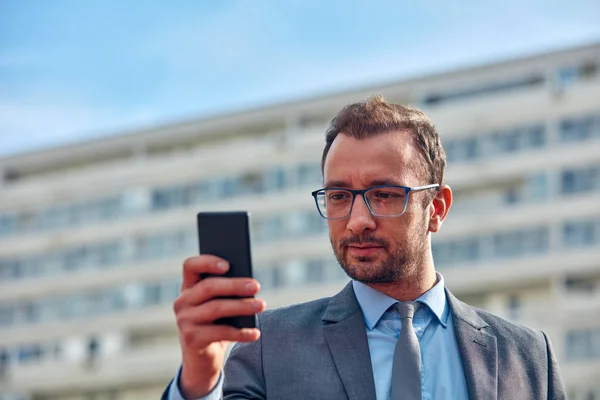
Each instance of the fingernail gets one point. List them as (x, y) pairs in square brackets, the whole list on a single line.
[(257, 305), (250, 286), (222, 265)]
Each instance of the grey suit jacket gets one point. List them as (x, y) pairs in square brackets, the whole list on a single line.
[(319, 350)]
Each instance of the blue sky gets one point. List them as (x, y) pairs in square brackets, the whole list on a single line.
[(71, 70)]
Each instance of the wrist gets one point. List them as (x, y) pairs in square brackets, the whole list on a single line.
[(196, 383)]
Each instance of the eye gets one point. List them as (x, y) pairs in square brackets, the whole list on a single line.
[(337, 196), (386, 194)]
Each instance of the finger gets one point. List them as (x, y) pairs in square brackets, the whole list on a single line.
[(213, 287), (220, 308), (204, 264), (203, 335)]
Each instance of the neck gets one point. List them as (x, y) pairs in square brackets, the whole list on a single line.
[(412, 287)]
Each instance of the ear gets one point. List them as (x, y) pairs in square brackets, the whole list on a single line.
[(439, 207)]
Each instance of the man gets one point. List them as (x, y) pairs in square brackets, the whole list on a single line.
[(394, 332)]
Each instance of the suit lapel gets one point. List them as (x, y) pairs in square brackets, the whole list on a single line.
[(478, 350), (346, 337)]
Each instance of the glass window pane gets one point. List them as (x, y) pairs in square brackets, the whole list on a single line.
[(309, 174)]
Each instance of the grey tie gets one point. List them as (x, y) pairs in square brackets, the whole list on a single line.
[(406, 370)]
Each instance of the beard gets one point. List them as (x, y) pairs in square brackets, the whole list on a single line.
[(400, 262)]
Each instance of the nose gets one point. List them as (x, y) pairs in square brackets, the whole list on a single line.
[(360, 218)]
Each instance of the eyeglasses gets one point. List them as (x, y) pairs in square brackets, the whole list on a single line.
[(382, 201)]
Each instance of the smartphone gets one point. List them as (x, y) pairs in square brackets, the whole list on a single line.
[(227, 235)]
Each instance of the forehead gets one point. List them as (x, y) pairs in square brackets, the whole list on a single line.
[(390, 156)]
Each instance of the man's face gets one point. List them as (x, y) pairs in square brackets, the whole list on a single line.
[(378, 249)]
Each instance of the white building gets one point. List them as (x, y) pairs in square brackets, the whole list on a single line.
[(93, 235)]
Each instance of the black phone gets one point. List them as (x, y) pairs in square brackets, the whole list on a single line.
[(227, 235)]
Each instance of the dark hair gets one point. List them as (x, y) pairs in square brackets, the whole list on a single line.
[(376, 116)]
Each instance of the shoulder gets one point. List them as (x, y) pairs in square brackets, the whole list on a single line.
[(516, 342), (302, 314), (502, 327)]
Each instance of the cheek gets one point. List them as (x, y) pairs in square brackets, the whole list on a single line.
[(404, 228), (336, 229)]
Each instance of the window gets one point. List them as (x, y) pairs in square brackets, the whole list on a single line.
[(7, 224), (580, 233), (278, 276), (225, 187), (565, 76), (201, 192), (484, 90), (170, 289), (580, 180), (517, 139), (265, 277), (464, 251), (569, 74), (537, 187), (250, 183), (294, 272), (56, 217), (26, 222), (172, 197), (30, 311), (297, 223), (7, 314), (536, 240), (110, 208), (506, 142), (462, 149), (133, 295), (8, 269), (30, 353), (511, 195), (109, 253), (583, 285), (133, 201), (534, 136), (583, 344), (580, 128), (309, 174), (508, 244), (514, 307), (267, 228), (75, 258), (441, 253), (516, 243), (457, 251), (152, 293), (315, 271)]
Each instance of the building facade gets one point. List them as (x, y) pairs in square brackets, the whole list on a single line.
[(93, 235)]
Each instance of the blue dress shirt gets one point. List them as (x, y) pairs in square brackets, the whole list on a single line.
[(442, 375)]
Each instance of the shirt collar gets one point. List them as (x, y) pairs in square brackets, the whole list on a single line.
[(374, 304)]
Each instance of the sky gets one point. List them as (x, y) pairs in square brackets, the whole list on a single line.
[(74, 70)]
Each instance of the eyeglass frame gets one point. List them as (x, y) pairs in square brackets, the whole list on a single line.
[(362, 192)]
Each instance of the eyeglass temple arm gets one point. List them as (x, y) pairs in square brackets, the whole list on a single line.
[(417, 188)]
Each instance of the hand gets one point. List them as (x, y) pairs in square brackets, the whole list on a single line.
[(203, 343)]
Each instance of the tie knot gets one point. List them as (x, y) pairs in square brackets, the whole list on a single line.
[(406, 309)]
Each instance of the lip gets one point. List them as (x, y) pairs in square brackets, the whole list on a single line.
[(364, 250), (364, 246)]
